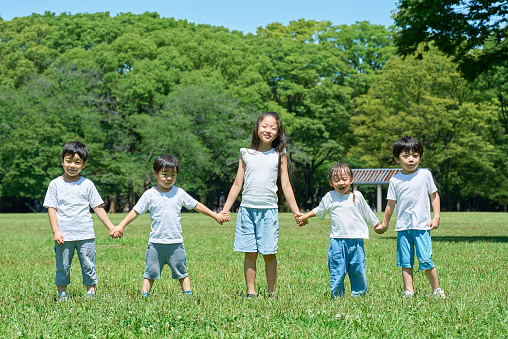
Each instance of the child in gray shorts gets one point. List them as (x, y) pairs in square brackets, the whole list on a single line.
[(165, 202)]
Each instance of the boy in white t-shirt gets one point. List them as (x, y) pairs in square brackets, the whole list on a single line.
[(165, 202), (410, 190), (350, 217), (68, 200)]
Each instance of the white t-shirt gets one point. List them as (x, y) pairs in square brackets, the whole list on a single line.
[(349, 219), (411, 191), (72, 201), (260, 179), (165, 213)]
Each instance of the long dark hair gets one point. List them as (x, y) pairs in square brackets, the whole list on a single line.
[(279, 143)]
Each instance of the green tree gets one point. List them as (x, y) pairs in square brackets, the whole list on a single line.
[(474, 32)]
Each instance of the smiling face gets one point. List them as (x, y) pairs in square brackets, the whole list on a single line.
[(165, 179), (72, 166), (341, 182), (409, 160), (267, 131)]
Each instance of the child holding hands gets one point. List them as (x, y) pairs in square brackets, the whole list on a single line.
[(350, 214), (257, 224), (165, 245), (68, 200), (410, 191)]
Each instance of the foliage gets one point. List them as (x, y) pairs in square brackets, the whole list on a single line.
[(474, 32)]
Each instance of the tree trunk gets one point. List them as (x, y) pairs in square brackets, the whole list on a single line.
[(113, 199)]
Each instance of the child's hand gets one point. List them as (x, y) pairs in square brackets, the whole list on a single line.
[(218, 217), (433, 224), (225, 217), (116, 232), (58, 237), (300, 220), (380, 229)]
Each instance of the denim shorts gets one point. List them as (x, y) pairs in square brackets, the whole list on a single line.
[(257, 230), (408, 242), (86, 255), (157, 255)]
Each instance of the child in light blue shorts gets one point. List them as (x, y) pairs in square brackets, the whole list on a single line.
[(165, 246), (410, 190)]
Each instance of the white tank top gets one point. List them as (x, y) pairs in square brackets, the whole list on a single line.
[(260, 179)]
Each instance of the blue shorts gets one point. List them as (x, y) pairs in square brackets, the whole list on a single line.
[(347, 256), (257, 230), (410, 240), (86, 255), (157, 255)]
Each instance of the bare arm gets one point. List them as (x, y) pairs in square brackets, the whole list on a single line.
[(100, 212), (288, 191), (206, 211), (390, 207), (302, 220), (57, 236), (118, 230), (235, 188), (436, 207)]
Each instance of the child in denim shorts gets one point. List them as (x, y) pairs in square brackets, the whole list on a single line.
[(257, 224), (68, 200), (410, 190), (165, 246), (350, 217)]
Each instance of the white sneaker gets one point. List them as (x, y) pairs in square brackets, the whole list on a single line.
[(438, 293), (408, 294)]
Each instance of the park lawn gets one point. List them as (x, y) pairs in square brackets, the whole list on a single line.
[(470, 252)]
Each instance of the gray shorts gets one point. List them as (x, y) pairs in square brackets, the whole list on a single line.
[(157, 255), (86, 255)]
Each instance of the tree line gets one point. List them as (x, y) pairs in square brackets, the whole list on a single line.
[(132, 87)]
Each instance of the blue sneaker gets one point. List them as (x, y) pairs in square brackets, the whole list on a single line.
[(189, 292), (145, 294), (62, 296), (90, 295)]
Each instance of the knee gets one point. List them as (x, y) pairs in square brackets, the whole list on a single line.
[(269, 257)]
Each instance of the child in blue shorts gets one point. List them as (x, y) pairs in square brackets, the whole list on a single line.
[(410, 190), (68, 200), (350, 217), (165, 202)]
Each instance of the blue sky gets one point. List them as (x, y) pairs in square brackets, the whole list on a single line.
[(240, 15)]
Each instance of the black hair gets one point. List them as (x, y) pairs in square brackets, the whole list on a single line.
[(406, 144), (339, 169), (166, 162), (75, 147), (279, 143)]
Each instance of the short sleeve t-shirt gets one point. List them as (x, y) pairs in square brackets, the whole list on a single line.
[(411, 192), (72, 201), (350, 219), (260, 179), (165, 213)]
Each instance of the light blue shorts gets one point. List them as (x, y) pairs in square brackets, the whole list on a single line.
[(157, 255), (410, 240), (86, 255), (257, 230)]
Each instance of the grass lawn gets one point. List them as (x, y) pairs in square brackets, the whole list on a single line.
[(470, 253)]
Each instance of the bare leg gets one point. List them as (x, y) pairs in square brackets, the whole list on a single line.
[(61, 288), (185, 283), (432, 276), (249, 269), (271, 272), (407, 277), (147, 285), (90, 288)]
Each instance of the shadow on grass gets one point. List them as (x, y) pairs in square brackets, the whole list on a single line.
[(464, 239)]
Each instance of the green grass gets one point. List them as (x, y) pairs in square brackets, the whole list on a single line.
[(470, 252)]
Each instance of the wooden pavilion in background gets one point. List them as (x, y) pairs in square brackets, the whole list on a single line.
[(375, 176)]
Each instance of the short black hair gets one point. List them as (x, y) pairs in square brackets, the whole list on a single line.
[(166, 162), (405, 144), (75, 147)]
